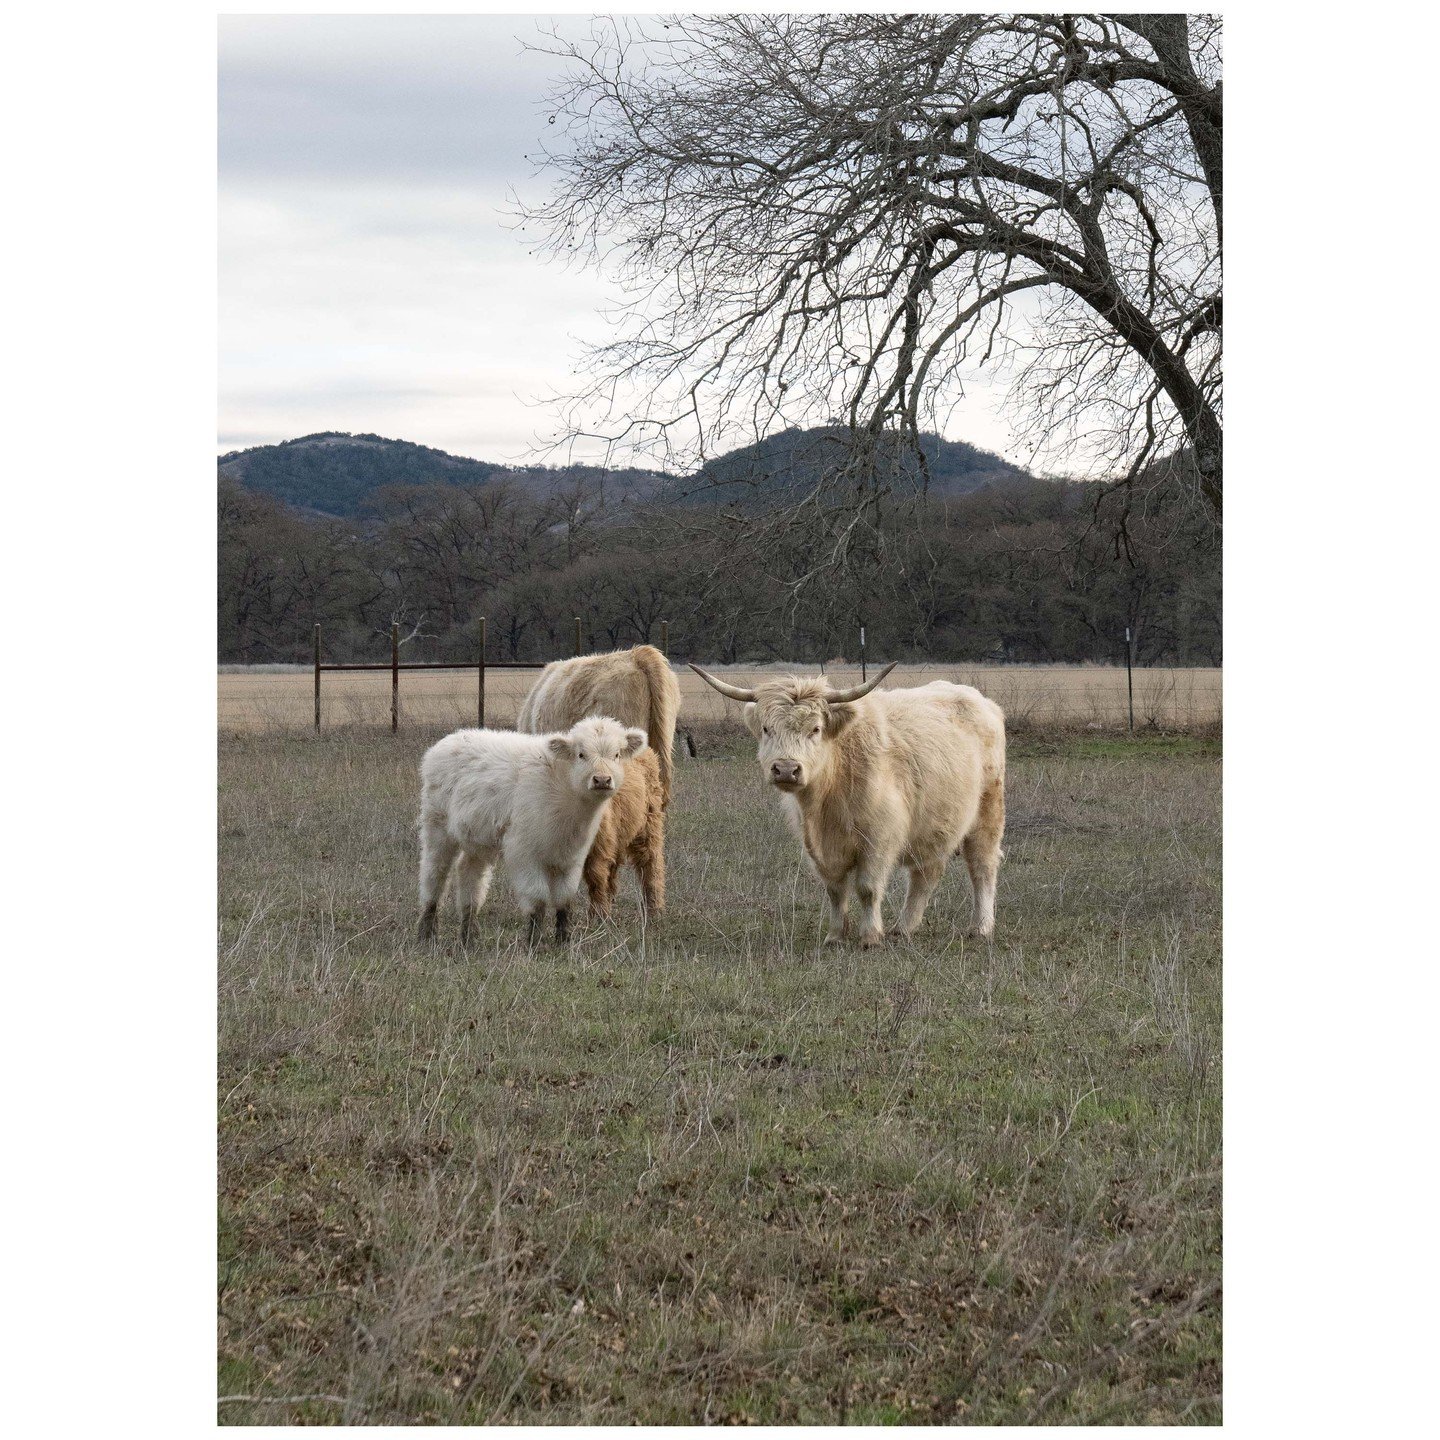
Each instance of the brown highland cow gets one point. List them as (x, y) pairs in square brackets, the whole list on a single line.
[(632, 828)]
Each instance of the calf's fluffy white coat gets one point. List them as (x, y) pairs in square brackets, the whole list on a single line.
[(533, 801)]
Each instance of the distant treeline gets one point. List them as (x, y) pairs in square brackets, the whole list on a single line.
[(1027, 570)]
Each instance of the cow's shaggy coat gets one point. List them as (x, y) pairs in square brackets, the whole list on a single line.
[(635, 687), (632, 827), (897, 777), (533, 801)]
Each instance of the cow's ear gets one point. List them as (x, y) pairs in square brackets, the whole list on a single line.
[(635, 741), (752, 719), (561, 748), (837, 717)]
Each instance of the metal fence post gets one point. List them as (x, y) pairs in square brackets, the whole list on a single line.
[(480, 680), (864, 673), (317, 679), (665, 637), (394, 676), (577, 634), (1130, 675)]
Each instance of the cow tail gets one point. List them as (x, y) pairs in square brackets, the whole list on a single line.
[(661, 686)]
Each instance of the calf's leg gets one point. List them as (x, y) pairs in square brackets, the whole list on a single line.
[(437, 854), (597, 881), (563, 890), (647, 855), (531, 884), (471, 885)]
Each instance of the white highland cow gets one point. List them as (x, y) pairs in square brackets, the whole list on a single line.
[(534, 801), (872, 781)]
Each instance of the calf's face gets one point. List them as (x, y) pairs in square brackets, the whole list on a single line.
[(593, 753)]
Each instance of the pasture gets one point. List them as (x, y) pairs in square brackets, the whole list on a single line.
[(704, 1171), (275, 698)]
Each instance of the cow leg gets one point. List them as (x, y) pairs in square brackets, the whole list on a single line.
[(437, 854), (870, 882), (839, 924), (923, 880), (471, 885), (537, 917), (982, 857)]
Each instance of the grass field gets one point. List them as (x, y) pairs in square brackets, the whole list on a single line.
[(706, 1172), (1031, 695)]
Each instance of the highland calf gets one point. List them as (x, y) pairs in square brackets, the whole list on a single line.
[(535, 801), (636, 687), (632, 827), (869, 781)]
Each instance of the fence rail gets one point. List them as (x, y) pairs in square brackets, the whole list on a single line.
[(480, 665)]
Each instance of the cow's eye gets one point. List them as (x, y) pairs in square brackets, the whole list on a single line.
[(815, 732), (764, 729), (582, 754)]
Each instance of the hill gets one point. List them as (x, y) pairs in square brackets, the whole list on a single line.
[(336, 473), (793, 460)]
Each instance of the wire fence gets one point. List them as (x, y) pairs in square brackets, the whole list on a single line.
[(480, 665), (446, 695)]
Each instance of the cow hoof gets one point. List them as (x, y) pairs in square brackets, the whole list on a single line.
[(833, 940), (974, 934), (871, 941)]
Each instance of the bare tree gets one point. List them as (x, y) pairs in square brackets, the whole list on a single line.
[(839, 217)]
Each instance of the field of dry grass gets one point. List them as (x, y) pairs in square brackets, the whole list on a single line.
[(705, 1171), (1031, 695)]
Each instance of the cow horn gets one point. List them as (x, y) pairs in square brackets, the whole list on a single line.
[(731, 692), (844, 697)]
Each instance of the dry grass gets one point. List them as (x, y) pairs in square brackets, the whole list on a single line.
[(708, 1172), (1031, 695)]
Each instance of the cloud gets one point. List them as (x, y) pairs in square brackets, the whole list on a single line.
[(342, 304), (400, 99), (371, 275)]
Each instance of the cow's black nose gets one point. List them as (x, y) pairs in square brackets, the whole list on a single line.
[(602, 782), (786, 770)]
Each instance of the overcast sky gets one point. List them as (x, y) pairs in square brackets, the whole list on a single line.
[(369, 278)]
